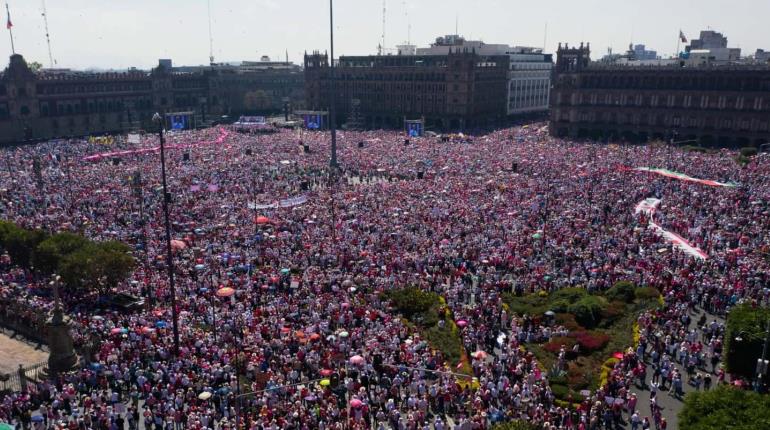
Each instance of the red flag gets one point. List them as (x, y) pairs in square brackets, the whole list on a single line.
[(8, 24)]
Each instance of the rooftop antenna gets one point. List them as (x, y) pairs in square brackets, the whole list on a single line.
[(408, 25), (47, 35), (545, 35), (211, 38), (456, 20), (383, 25)]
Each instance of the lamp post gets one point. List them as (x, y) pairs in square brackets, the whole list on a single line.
[(762, 364), (333, 89), (170, 263)]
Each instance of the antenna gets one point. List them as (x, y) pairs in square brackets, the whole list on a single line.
[(545, 36), (456, 20), (211, 38), (47, 35), (383, 25), (408, 24)]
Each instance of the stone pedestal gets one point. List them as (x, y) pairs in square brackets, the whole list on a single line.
[(62, 357)]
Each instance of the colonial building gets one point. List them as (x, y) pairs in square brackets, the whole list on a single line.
[(726, 105), (37, 106), (458, 90)]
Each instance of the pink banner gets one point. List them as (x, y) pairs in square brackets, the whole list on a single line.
[(649, 206), (97, 157)]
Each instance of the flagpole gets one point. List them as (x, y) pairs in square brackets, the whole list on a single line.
[(678, 41), (10, 27)]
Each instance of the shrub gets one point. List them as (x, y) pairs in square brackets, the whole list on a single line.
[(612, 311), (411, 301), (515, 425), (555, 344), (622, 291), (591, 341), (748, 151), (607, 368), (692, 148), (647, 293), (568, 321), (571, 295), (587, 311), (560, 391)]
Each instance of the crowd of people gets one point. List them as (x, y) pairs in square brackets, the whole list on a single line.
[(306, 339)]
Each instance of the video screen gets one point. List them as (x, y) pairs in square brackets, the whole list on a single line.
[(414, 129), (313, 122), (179, 122)]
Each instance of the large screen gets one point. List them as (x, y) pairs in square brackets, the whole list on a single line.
[(179, 122), (313, 121), (414, 129)]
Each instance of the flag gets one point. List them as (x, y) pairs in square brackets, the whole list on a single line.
[(682, 37), (8, 24)]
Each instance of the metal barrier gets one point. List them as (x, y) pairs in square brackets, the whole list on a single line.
[(23, 378)]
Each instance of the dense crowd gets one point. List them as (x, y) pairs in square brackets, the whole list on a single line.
[(307, 341)]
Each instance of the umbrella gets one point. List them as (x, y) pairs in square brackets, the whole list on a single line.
[(479, 355), (147, 330), (324, 383), (344, 334), (356, 403), (285, 271), (326, 372), (310, 398), (4, 426), (37, 418), (550, 313), (204, 395), (116, 330), (262, 219), (199, 267), (537, 236), (315, 337), (225, 292), (299, 333), (618, 355), (462, 323), (357, 360), (178, 244), (161, 324)]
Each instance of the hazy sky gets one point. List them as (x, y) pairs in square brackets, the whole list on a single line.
[(123, 33)]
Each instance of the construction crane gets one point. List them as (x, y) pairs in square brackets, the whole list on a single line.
[(47, 35)]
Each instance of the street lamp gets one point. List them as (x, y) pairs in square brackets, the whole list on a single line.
[(170, 263), (333, 88)]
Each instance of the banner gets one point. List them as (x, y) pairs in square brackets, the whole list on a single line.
[(683, 177), (285, 203), (649, 206)]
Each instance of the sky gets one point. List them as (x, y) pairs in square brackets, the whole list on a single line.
[(125, 33)]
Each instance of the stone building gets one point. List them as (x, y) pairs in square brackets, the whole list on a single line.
[(725, 105), (455, 91), (36, 106)]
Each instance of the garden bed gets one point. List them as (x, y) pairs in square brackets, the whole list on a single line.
[(600, 324)]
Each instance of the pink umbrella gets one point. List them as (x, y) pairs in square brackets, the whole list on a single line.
[(356, 403), (178, 244), (357, 360), (462, 323), (116, 330), (326, 372), (225, 292)]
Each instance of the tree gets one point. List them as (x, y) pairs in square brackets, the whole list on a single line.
[(100, 265), (21, 245), (51, 251), (744, 339), (34, 66), (725, 408)]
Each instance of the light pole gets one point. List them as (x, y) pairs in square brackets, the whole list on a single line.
[(170, 263), (333, 89)]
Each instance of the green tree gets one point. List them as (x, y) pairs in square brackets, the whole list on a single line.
[(623, 291), (21, 245), (34, 66), (744, 339), (100, 265), (50, 252), (725, 408)]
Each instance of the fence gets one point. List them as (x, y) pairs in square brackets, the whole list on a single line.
[(24, 321), (21, 379)]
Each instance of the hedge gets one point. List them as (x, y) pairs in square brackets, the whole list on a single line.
[(725, 407), (748, 324)]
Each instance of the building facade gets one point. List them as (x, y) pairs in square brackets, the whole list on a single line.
[(36, 106), (454, 91), (529, 77), (719, 105)]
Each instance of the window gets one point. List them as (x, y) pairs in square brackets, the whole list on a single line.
[(24, 110)]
